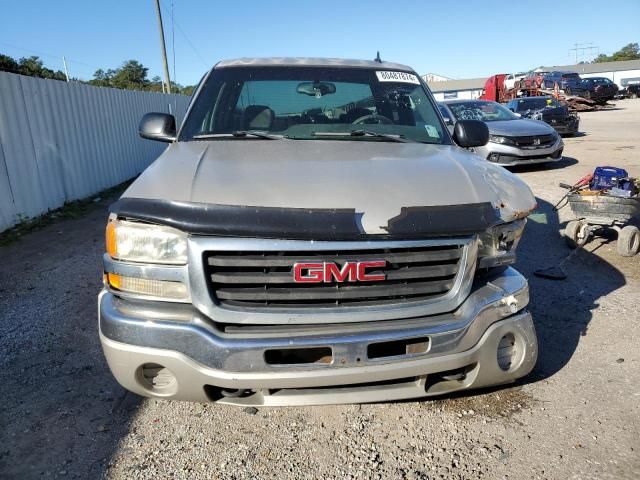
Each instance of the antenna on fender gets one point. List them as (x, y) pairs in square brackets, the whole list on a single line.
[(378, 59)]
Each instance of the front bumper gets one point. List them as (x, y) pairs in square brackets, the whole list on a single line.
[(508, 155), (567, 127), (201, 361)]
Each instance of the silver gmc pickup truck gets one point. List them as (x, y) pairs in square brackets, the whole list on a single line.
[(314, 234)]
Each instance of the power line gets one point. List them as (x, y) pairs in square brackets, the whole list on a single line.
[(184, 35), (582, 48), (44, 54)]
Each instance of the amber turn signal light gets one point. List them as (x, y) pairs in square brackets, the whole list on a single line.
[(111, 239)]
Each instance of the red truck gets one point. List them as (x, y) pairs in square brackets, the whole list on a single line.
[(494, 88)]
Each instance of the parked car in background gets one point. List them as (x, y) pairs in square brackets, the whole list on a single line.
[(534, 79), (511, 79), (599, 89), (549, 110), (632, 91), (563, 79), (513, 140)]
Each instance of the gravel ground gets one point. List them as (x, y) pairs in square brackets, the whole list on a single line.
[(575, 416)]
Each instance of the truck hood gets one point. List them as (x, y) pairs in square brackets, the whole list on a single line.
[(376, 179), (522, 127)]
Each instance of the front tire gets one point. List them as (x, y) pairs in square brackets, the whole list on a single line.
[(629, 241)]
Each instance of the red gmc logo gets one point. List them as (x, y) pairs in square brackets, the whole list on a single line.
[(327, 272)]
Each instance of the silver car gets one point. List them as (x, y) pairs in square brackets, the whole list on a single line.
[(513, 140)]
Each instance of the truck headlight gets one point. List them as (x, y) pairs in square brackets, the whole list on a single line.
[(498, 245), (135, 242), (145, 243)]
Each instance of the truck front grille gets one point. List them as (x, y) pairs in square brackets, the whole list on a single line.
[(265, 279)]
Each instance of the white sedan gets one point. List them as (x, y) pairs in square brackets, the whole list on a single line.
[(511, 79)]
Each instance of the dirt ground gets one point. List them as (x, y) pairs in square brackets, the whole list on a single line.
[(576, 416)]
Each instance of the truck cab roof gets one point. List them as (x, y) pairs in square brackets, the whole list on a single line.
[(310, 62)]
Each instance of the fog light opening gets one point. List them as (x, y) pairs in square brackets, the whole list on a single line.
[(507, 352), (234, 393), (155, 377)]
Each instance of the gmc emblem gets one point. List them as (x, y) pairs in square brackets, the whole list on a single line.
[(327, 272)]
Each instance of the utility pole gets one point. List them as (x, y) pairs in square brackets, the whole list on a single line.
[(164, 48), (66, 72)]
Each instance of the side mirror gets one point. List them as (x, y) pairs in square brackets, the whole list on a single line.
[(158, 126), (471, 133)]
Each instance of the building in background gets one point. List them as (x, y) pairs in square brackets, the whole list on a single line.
[(622, 73), (434, 77), (470, 88)]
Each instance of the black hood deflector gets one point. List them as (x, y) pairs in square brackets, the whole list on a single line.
[(304, 223)]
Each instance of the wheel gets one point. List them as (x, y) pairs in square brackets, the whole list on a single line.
[(629, 241), (633, 95), (574, 233), (567, 91), (587, 95)]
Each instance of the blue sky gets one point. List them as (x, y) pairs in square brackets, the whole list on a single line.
[(455, 39)]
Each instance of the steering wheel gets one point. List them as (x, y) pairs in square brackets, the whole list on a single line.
[(380, 119)]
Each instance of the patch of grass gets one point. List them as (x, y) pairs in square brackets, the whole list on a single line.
[(69, 210)]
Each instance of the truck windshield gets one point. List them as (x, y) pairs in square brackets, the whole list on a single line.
[(479, 110), (313, 103)]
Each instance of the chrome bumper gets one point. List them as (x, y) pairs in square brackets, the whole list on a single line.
[(206, 363)]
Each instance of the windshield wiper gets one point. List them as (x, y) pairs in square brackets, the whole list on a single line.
[(364, 133), (239, 134), (256, 133)]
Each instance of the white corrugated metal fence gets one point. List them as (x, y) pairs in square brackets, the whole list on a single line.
[(66, 141)]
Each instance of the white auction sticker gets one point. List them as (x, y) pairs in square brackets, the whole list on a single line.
[(386, 76)]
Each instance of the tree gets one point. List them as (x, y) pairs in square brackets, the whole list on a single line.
[(33, 67), (131, 75), (29, 66), (188, 90), (631, 51), (8, 64)]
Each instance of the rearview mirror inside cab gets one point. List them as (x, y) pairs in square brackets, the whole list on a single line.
[(316, 89)]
